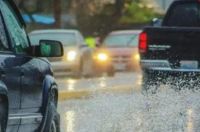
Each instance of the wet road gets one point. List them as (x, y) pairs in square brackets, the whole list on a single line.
[(166, 111), (121, 79)]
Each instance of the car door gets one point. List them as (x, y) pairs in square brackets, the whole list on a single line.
[(26, 70), (10, 72)]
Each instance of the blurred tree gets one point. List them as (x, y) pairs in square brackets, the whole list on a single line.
[(100, 16), (30, 7), (57, 12), (135, 13), (119, 6), (92, 16), (96, 16)]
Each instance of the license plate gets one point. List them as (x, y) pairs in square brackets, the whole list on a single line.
[(120, 66), (189, 64)]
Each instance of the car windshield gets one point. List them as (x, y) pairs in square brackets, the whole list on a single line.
[(121, 40), (67, 39)]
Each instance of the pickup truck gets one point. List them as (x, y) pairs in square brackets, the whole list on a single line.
[(172, 49)]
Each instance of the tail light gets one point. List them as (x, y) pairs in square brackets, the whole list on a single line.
[(143, 42)]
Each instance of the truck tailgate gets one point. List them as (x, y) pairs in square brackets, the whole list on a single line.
[(172, 44)]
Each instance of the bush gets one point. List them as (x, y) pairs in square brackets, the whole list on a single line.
[(135, 14)]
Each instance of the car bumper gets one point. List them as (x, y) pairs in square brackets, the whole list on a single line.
[(126, 66), (162, 67), (102, 66), (64, 67)]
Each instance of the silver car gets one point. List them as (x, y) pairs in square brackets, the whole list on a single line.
[(77, 60)]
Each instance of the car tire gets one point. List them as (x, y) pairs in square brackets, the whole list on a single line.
[(111, 72), (150, 82), (3, 115), (53, 118), (77, 74)]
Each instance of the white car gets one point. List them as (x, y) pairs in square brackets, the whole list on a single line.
[(77, 60)]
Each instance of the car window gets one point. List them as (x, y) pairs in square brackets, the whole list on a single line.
[(3, 39), (180, 12), (121, 40), (17, 33), (81, 38), (67, 39)]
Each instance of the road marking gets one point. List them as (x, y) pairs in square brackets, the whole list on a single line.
[(86, 93)]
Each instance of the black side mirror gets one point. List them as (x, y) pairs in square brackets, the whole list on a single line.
[(48, 48), (156, 22)]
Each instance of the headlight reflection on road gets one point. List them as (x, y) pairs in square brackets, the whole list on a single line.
[(139, 80), (190, 120), (70, 121), (139, 120), (138, 83), (71, 84), (102, 82)]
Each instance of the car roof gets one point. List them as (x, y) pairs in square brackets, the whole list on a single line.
[(54, 31), (125, 32)]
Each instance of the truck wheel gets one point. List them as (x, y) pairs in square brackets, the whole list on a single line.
[(53, 118), (3, 114), (149, 82)]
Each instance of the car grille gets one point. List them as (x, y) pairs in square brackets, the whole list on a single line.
[(121, 59)]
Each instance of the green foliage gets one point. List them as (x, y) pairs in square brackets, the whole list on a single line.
[(134, 13)]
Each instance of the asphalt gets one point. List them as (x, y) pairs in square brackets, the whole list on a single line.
[(122, 83), (118, 105)]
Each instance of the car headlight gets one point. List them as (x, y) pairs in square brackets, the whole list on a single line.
[(102, 57), (71, 55), (137, 57)]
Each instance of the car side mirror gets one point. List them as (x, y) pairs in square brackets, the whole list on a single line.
[(48, 48), (156, 22)]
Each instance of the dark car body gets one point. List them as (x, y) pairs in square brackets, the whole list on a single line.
[(26, 81), (172, 48)]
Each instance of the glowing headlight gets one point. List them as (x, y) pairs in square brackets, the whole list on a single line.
[(137, 57), (102, 57), (71, 55)]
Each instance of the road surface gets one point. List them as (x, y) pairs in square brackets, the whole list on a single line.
[(167, 110)]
